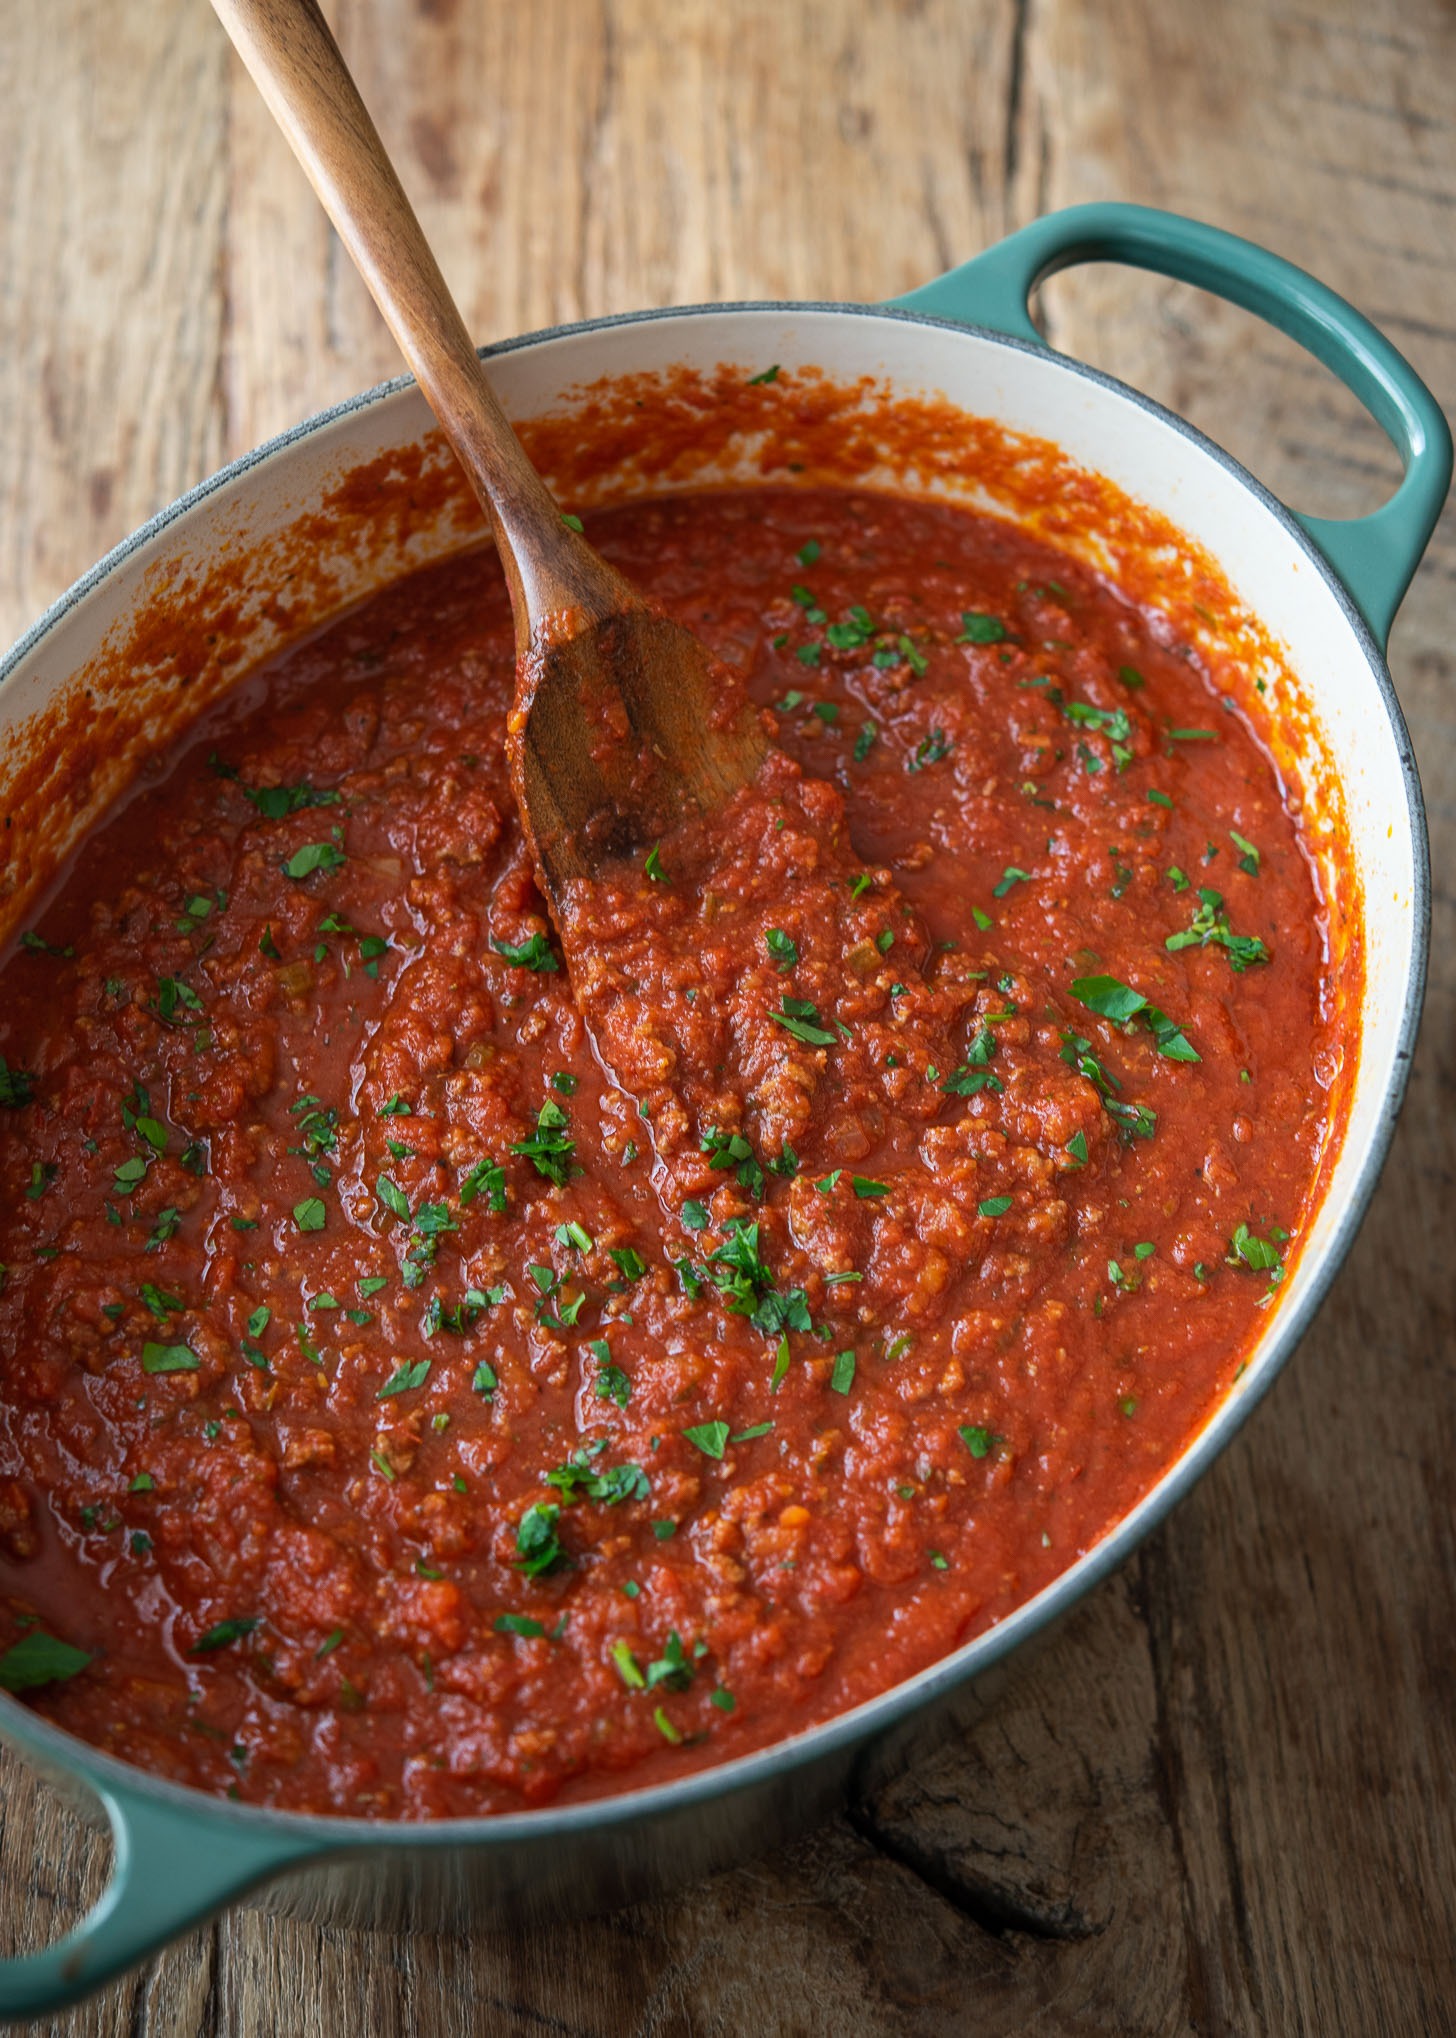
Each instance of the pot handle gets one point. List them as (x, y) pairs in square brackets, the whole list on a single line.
[(1376, 555), (173, 1866)]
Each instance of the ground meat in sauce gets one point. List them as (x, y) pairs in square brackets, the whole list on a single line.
[(408, 1412)]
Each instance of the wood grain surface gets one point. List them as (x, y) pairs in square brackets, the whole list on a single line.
[(1222, 1800)]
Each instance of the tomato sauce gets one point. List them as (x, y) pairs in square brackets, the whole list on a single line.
[(413, 1409)]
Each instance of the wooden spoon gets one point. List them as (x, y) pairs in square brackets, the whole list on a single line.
[(616, 732)]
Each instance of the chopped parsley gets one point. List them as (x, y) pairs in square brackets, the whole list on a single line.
[(275, 802), (673, 1668), (172, 992), (979, 628), (782, 949), (799, 1017), (536, 953), (856, 630), (38, 945), (732, 1150), (17, 1086), (746, 1284), (411, 1374), (931, 749), (164, 1228), (973, 1075), (711, 1438), (914, 657), (488, 1179), (1118, 1002), (1112, 723), (38, 1658), (518, 1624), (225, 1632), (314, 856), (1134, 1121), (538, 1547), (318, 1127), (611, 1383), (1210, 926), (578, 1478), (158, 1358), (1248, 854), (1259, 1255), (625, 1664), (550, 1148)]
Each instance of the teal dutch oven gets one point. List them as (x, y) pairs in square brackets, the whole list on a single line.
[(1325, 591)]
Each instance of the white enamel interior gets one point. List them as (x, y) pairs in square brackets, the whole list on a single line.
[(1101, 426)]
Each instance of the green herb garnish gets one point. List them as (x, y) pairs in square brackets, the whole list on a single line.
[(799, 1017), (226, 1631), (538, 1548), (158, 1358), (17, 1086), (38, 1658), (534, 954), (1210, 926), (1118, 1002), (782, 949), (978, 628), (929, 750), (411, 1374), (314, 856), (518, 1624), (550, 1148)]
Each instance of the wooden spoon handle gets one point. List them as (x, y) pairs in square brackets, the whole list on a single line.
[(296, 65)]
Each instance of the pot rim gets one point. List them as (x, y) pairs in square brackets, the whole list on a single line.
[(336, 1834)]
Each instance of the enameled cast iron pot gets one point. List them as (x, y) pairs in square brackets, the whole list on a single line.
[(1326, 591)]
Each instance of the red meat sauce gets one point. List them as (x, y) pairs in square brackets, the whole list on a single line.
[(410, 1410)]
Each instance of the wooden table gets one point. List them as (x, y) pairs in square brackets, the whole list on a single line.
[(1222, 1801)]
